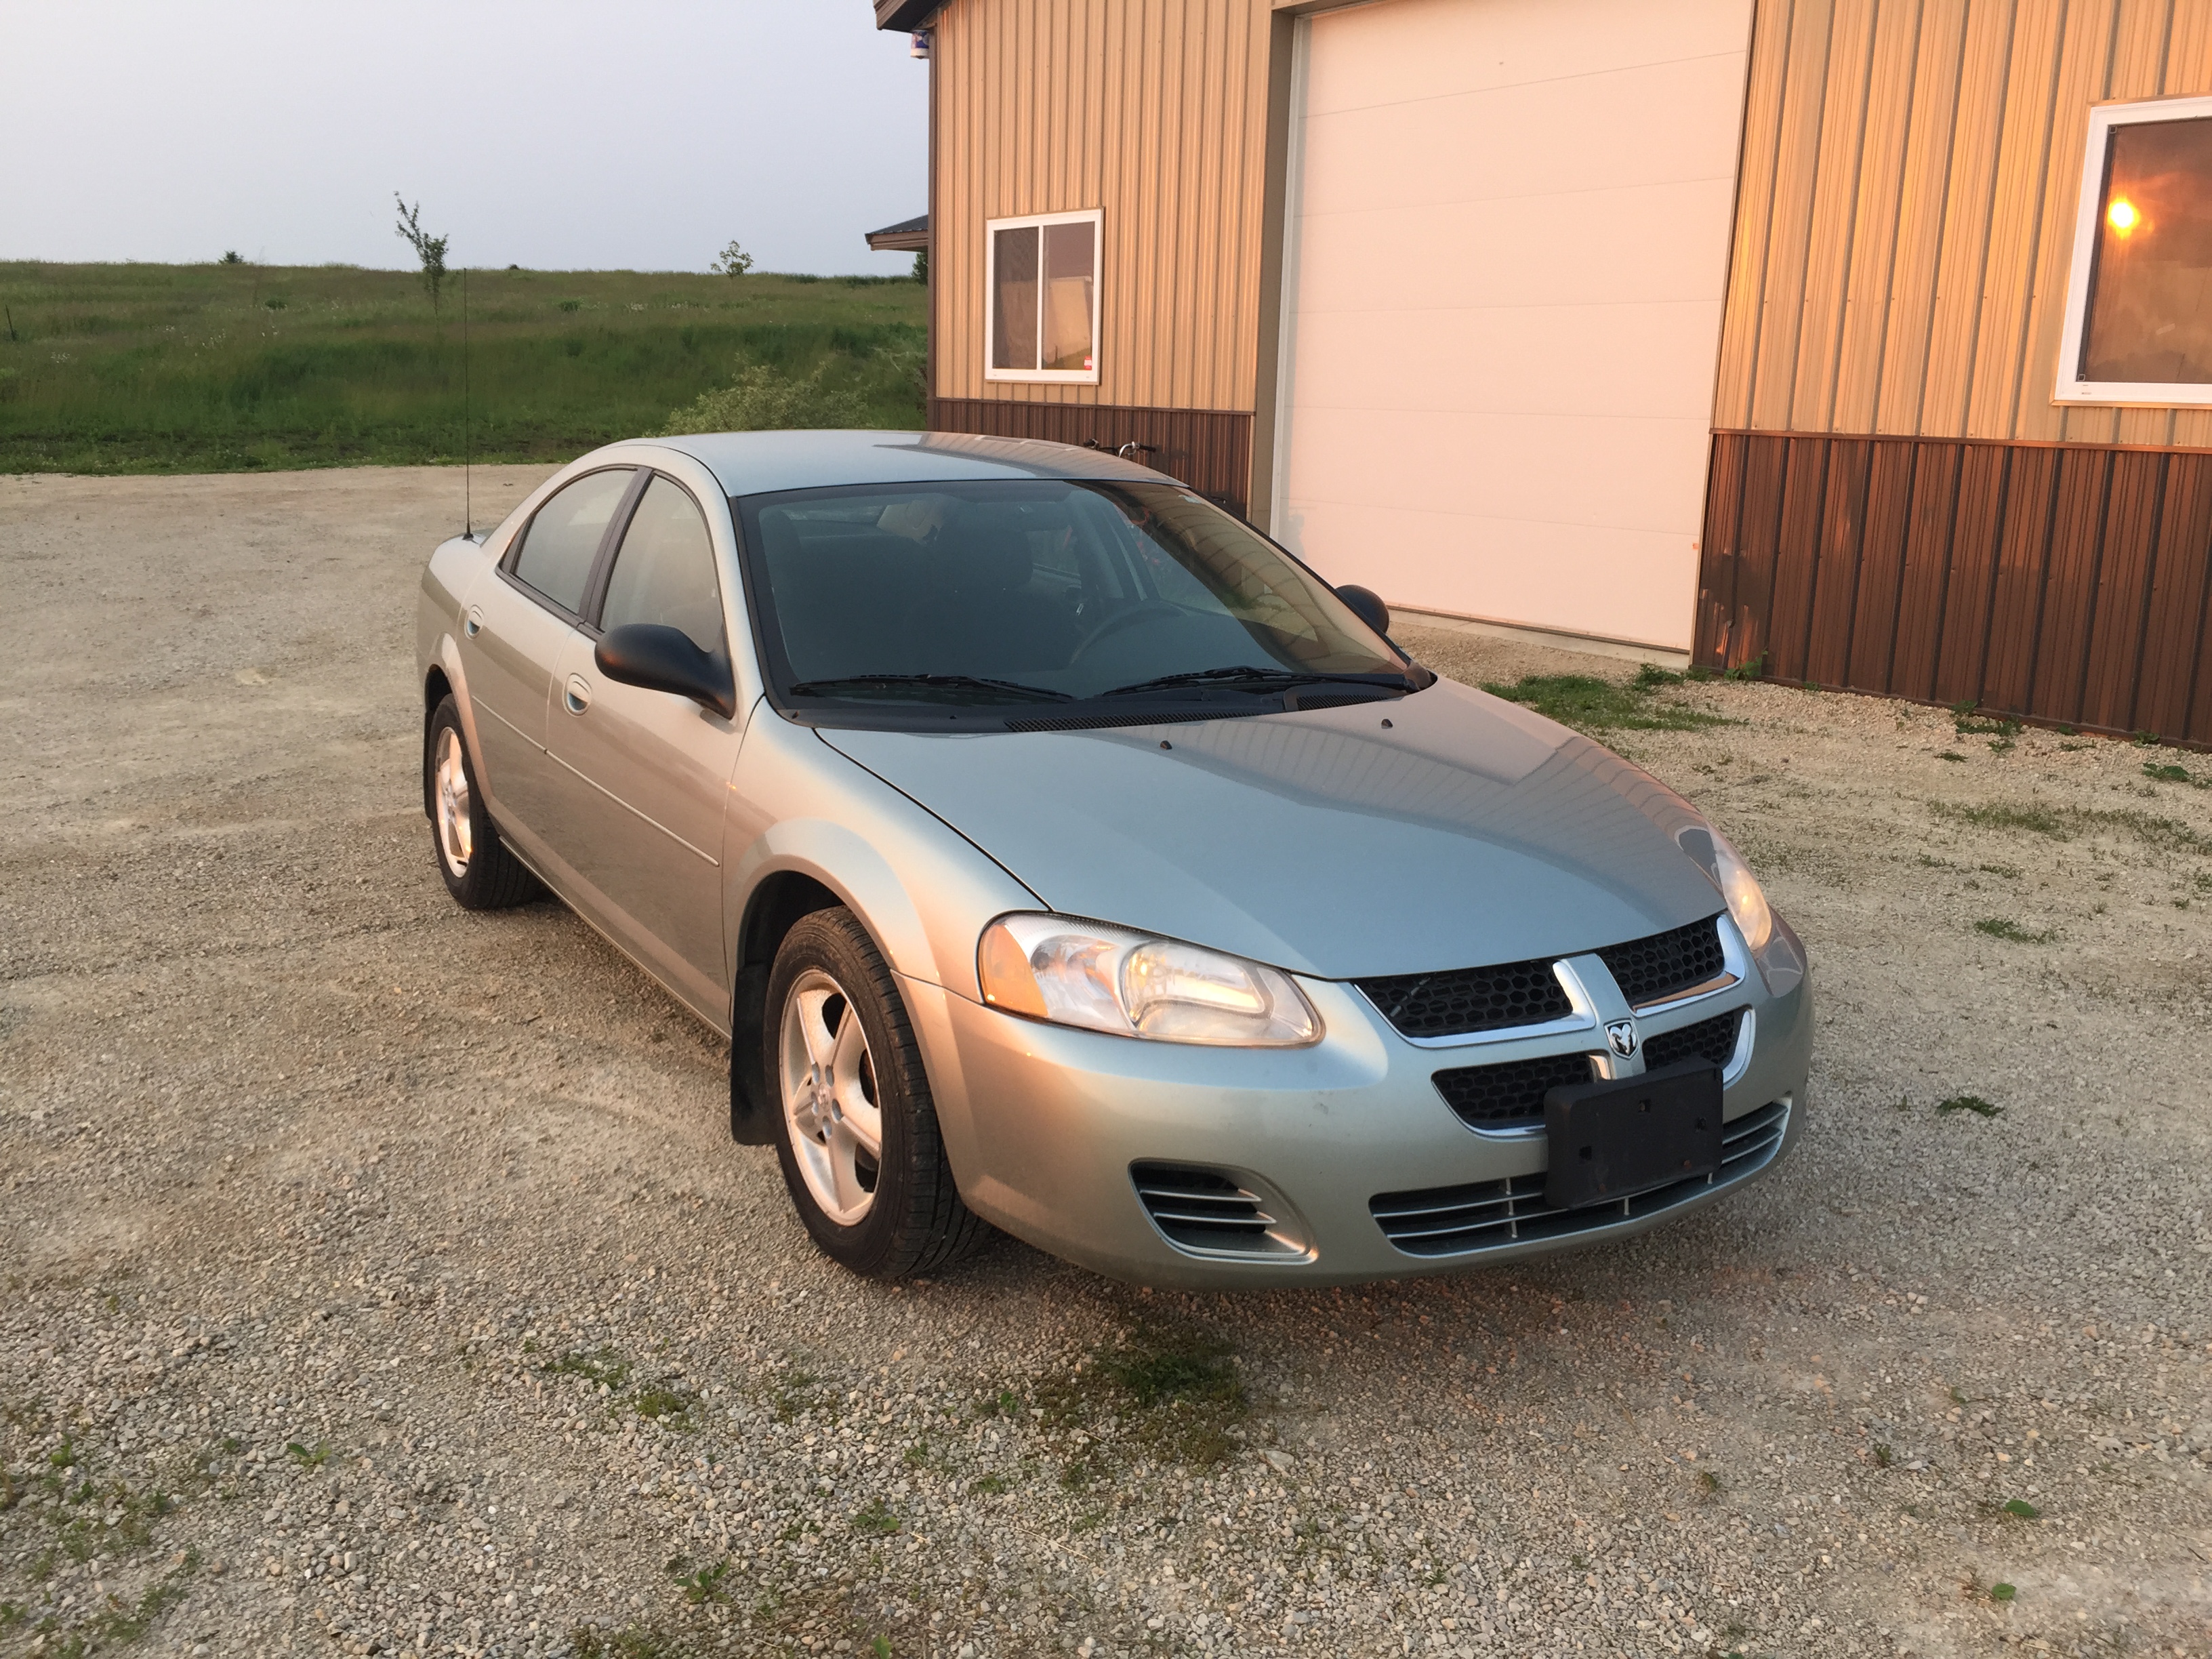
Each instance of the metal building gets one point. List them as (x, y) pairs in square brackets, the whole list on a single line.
[(1866, 340)]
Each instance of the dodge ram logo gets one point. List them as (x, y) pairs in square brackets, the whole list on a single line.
[(1621, 1034)]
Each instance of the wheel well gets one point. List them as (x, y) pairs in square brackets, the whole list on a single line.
[(775, 908)]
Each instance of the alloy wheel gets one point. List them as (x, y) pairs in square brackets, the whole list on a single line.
[(831, 1106), (456, 835)]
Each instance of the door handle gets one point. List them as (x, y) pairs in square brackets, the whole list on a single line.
[(578, 696), (474, 625)]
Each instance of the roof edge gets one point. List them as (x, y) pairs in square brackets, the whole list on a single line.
[(904, 13)]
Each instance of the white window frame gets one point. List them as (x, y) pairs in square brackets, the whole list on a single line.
[(2162, 394), (1097, 216)]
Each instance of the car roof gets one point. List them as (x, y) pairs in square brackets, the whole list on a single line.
[(754, 463)]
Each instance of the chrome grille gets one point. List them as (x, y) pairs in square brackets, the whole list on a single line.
[(1511, 1093), (1212, 1212), (1711, 1040), (1666, 965), (1492, 1214), (1470, 999)]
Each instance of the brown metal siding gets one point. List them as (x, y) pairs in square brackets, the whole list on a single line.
[(1210, 450), (2063, 583), (1154, 111), (1905, 211)]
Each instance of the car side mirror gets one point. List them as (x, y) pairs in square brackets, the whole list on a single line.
[(1366, 604), (662, 659)]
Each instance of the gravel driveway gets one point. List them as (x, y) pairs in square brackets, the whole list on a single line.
[(380, 1278)]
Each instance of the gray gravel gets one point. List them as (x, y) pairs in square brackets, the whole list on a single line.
[(380, 1278)]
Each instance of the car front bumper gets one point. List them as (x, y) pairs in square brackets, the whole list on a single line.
[(1044, 1124)]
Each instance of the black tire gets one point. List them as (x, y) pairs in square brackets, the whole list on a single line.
[(479, 872), (915, 1222)]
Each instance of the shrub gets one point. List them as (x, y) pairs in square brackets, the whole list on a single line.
[(761, 400)]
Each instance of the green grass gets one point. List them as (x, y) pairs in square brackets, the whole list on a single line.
[(2063, 823), (2005, 927), (1591, 704), (192, 369)]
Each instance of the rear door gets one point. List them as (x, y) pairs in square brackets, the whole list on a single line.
[(520, 615), (643, 775)]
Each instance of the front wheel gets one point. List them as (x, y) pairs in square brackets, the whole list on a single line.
[(479, 872), (860, 1146)]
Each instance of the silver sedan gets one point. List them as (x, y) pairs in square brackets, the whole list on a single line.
[(1061, 856)]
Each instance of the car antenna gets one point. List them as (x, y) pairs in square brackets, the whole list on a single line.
[(468, 448)]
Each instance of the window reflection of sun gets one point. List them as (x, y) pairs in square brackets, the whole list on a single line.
[(2122, 215)]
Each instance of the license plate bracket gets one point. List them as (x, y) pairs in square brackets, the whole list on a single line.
[(1613, 1139)]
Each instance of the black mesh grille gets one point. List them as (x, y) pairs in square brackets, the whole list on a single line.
[(1710, 1040), (1512, 1092), (1496, 1214), (1666, 964), (1469, 999)]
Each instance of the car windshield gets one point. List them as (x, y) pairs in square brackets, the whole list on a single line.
[(998, 594)]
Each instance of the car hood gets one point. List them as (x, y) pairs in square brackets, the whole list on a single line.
[(1448, 828)]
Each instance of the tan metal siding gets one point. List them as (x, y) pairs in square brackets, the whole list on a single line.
[(1153, 110), (1905, 211)]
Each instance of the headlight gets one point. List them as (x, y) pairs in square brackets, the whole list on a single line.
[(1737, 882), (1109, 979)]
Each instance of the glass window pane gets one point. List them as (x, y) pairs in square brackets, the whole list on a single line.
[(1069, 268), (1014, 308), (1077, 589), (665, 573), (2150, 299), (563, 538)]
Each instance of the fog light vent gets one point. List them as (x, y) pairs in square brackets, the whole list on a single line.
[(1215, 1211)]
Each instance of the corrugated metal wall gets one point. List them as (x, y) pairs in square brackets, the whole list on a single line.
[(1906, 215), (2061, 583), (1210, 450), (1154, 110)]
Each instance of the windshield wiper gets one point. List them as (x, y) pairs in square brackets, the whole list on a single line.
[(927, 681), (1262, 679)]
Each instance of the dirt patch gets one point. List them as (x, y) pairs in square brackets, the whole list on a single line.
[(381, 1277)]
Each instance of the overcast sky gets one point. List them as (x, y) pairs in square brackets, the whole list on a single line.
[(551, 134)]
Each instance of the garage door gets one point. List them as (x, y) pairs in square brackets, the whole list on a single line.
[(1505, 247)]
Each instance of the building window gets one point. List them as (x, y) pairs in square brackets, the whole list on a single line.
[(2139, 304), (1041, 288)]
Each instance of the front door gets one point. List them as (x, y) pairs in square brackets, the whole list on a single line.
[(643, 775), (520, 615)]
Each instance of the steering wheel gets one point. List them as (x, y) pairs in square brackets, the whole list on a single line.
[(1145, 610)]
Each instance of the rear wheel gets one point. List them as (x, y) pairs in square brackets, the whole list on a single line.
[(860, 1146), (479, 872)]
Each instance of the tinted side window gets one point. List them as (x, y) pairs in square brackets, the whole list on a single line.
[(665, 573), (562, 540)]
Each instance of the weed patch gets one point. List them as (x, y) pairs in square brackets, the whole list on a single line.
[(666, 1403), (601, 1367), (876, 1520), (2005, 927), (1973, 1104), (1171, 1395), (699, 1584), (2063, 823), (1590, 704)]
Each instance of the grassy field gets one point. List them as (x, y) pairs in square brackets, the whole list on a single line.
[(201, 368)]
